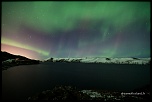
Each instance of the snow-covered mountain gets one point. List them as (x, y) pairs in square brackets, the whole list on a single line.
[(103, 60)]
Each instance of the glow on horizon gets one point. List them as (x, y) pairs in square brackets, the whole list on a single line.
[(24, 46), (21, 51)]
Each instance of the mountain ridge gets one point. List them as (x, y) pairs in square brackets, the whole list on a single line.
[(131, 60)]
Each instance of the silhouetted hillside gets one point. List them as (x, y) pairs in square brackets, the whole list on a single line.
[(10, 60), (6, 56)]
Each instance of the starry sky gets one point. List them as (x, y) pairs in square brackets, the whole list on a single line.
[(40, 30)]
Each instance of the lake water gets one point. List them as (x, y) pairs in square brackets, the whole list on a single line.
[(20, 82)]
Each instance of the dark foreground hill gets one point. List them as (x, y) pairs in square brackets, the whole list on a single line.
[(6, 56), (10, 60)]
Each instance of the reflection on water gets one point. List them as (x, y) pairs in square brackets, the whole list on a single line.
[(23, 81)]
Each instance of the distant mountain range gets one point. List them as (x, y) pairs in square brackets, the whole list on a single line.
[(102, 60), (7, 57)]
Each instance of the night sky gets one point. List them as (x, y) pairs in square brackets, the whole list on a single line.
[(40, 30)]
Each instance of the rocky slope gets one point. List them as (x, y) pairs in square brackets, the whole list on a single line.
[(71, 93)]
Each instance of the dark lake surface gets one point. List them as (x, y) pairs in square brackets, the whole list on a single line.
[(20, 82)]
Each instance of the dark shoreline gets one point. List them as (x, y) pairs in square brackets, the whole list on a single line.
[(7, 65)]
